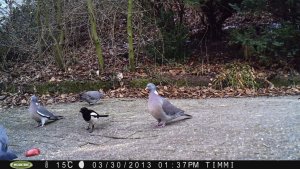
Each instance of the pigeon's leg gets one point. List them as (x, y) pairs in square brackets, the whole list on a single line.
[(158, 121), (161, 124), (43, 121), (39, 124)]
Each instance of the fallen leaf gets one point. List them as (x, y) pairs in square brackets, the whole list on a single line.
[(50, 101), (23, 101), (63, 96), (52, 79)]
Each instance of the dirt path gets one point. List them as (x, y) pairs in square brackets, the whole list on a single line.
[(221, 129)]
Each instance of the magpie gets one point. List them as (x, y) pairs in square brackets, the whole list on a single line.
[(90, 116)]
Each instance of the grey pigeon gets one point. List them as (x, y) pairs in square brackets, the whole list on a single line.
[(91, 97), (39, 113), (90, 116), (161, 109), (5, 154)]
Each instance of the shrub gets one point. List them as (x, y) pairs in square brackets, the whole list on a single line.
[(236, 75), (269, 44), (170, 45), (172, 32)]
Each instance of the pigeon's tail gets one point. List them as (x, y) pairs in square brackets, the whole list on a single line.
[(82, 96), (187, 115), (57, 117)]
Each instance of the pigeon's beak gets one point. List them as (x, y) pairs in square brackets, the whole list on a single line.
[(147, 88)]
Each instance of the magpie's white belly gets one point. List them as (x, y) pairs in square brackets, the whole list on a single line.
[(92, 120)]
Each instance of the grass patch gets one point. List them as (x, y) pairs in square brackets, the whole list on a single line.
[(285, 81), (236, 75), (61, 87), (71, 86)]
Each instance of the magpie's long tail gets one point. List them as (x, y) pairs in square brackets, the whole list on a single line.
[(105, 115)]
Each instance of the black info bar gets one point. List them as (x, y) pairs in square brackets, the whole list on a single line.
[(139, 164)]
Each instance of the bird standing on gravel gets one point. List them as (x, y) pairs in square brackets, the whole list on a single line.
[(91, 97), (161, 109), (39, 113), (5, 154), (90, 116)]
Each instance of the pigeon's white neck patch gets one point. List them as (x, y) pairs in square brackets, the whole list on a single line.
[(155, 92)]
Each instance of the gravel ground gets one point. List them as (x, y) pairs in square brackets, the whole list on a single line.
[(262, 128)]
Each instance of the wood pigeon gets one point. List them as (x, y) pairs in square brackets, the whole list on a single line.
[(161, 109), (5, 154), (40, 114), (91, 97)]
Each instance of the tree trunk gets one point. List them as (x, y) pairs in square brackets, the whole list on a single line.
[(59, 40), (40, 28), (130, 36), (95, 38)]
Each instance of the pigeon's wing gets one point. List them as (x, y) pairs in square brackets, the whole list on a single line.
[(170, 109), (94, 95), (87, 97), (42, 111)]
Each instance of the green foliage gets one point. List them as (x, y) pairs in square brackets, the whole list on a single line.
[(284, 42), (174, 41), (17, 32), (191, 2), (268, 44), (71, 86), (139, 83), (286, 80), (62, 87), (236, 75), (288, 10), (252, 43), (169, 45), (249, 5)]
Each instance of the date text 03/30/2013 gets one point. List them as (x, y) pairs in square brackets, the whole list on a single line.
[(145, 164)]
